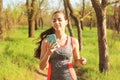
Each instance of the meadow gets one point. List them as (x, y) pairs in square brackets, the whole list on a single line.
[(18, 63)]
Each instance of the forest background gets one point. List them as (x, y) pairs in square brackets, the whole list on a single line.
[(22, 21)]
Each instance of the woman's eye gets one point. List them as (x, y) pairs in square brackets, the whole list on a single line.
[(59, 20), (54, 20)]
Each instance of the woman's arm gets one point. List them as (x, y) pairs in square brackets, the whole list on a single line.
[(78, 61), (46, 51), (44, 54)]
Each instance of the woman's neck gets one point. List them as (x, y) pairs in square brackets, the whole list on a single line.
[(61, 38), (61, 35)]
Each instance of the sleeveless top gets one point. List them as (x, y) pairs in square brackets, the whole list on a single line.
[(59, 61)]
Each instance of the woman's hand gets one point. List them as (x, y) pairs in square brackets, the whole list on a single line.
[(83, 60), (51, 47)]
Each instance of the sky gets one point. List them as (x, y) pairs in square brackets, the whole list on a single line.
[(56, 2), (53, 3), (12, 2), (15, 2)]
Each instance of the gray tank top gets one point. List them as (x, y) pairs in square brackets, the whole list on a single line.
[(59, 61)]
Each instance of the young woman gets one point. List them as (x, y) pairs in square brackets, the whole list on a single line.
[(60, 58)]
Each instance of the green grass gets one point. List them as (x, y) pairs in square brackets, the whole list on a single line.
[(90, 51), (16, 56), (17, 61)]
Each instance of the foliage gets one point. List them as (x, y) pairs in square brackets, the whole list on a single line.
[(110, 10)]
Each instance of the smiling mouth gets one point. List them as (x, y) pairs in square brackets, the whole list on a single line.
[(57, 25)]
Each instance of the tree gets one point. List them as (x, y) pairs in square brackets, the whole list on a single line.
[(77, 23), (116, 18), (100, 10), (83, 11), (1, 31), (68, 17), (90, 21), (31, 17), (119, 16), (38, 17)]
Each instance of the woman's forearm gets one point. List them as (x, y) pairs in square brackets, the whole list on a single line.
[(44, 61)]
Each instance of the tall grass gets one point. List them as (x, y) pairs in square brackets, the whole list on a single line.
[(17, 61)]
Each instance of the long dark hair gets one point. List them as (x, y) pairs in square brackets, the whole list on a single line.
[(42, 36)]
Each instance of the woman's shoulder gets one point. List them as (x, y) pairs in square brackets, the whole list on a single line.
[(44, 41), (74, 42)]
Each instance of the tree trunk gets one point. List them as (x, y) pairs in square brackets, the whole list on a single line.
[(119, 17), (116, 18), (36, 23), (1, 31), (41, 22), (30, 6), (77, 23), (83, 11), (102, 38), (31, 28), (90, 21), (67, 15)]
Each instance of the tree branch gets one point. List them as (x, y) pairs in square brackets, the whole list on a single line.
[(86, 15), (104, 3)]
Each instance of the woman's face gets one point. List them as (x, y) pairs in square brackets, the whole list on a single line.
[(59, 22)]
